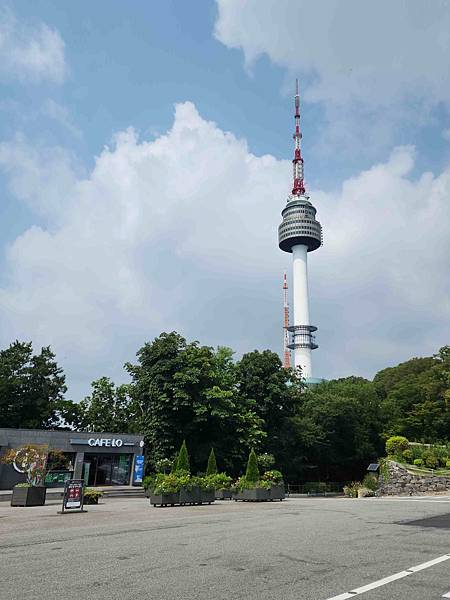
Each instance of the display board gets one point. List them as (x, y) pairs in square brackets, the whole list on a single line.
[(73, 496)]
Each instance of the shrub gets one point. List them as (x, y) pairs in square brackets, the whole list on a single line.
[(443, 460), (221, 481), (430, 459), (351, 490), (91, 493), (183, 459), (418, 462), (166, 484), (211, 469), (395, 445), (23, 485), (407, 455), (148, 482), (364, 492), (273, 477), (447, 464), (370, 482), (252, 472), (243, 484)]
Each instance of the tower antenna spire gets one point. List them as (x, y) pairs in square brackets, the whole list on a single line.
[(287, 353), (299, 183)]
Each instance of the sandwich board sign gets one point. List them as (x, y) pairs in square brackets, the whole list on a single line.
[(73, 496)]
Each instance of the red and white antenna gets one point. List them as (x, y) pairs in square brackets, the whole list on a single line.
[(287, 354), (299, 184)]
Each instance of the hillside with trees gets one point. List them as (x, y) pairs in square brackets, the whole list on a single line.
[(181, 390)]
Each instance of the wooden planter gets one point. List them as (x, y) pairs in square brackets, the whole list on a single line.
[(253, 495), (277, 492), (223, 494), (28, 496)]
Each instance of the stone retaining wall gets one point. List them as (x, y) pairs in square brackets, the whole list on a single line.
[(400, 481)]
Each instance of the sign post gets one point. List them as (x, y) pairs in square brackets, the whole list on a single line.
[(138, 473), (73, 496)]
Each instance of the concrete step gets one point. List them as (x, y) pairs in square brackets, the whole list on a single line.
[(108, 492)]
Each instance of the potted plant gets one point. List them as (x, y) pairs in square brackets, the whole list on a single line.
[(30, 460), (275, 479), (252, 487), (91, 496), (249, 487), (222, 485), (166, 490)]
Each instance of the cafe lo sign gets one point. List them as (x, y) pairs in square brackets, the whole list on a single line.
[(106, 442)]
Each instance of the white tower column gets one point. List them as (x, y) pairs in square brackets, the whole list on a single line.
[(302, 356)]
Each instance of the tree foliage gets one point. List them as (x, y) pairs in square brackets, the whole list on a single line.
[(211, 468), (252, 471), (183, 459), (181, 390), (107, 408), (32, 388)]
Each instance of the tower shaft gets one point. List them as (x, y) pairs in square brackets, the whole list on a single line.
[(287, 353), (302, 352)]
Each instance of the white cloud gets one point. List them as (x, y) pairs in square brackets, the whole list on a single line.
[(30, 53), (371, 52), (374, 66), (180, 233)]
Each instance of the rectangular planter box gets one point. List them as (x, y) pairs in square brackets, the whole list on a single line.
[(190, 496), (254, 495), (28, 496), (164, 499), (223, 494), (277, 492), (207, 496)]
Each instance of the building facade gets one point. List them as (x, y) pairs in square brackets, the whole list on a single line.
[(100, 458)]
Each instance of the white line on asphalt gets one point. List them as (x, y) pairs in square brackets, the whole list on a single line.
[(447, 595), (391, 578)]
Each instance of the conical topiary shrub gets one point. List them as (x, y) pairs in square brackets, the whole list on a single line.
[(252, 473), (183, 459), (211, 469)]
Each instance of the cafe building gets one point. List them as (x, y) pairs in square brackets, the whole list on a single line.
[(100, 459)]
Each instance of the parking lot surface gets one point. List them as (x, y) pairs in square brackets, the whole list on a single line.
[(302, 548)]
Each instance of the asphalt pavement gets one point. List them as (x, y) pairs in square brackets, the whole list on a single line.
[(302, 548)]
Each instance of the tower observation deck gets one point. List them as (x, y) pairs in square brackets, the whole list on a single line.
[(298, 234)]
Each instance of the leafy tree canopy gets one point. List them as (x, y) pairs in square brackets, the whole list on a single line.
[(32, 387)]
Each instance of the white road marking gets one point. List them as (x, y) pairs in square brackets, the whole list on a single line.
[(391, 578), (447, 595)]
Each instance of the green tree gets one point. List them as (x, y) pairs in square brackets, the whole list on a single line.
[(274, 394), (32, 388), (252, 472), (108, 408), (414, 398), (183, 459), (187, 391), (211, 469), (337, 427)]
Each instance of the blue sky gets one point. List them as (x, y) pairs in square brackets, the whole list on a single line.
[(111, 234)]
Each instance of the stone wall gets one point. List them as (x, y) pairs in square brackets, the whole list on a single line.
[(401, 482)]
